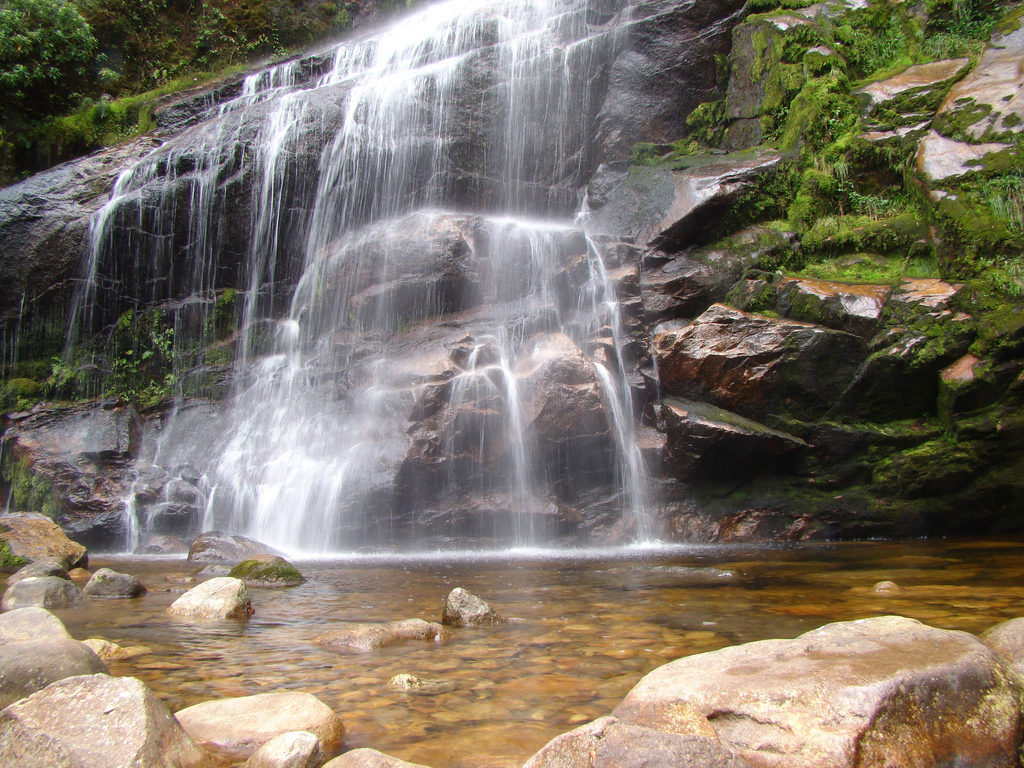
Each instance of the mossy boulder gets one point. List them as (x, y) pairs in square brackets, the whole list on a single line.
[(267, 571)]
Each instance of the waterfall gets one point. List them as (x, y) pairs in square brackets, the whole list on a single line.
[(429, 347)]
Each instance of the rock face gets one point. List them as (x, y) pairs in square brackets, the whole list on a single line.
[(27, 666), (109, 583), (755, 365), (462, 608), (42, 592), (609, 743), (31, 624), (360, 638), (219, 598), (236, 728), (217, 547), (34, 536), (95, 721), (267, 571), (882, 691)]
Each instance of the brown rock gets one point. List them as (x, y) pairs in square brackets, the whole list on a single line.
[(219, 598), (236, 728), (885, 691), (846, 307), (369, 758), (463, 609), (34, 536), (360, 638)]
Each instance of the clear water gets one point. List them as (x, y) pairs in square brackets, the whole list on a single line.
[(586, 627)]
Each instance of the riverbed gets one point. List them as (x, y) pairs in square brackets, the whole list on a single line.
[(584, 626)]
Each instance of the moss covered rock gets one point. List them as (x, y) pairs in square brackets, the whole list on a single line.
[(267, 571)]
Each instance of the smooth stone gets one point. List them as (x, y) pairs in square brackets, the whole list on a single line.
[(109, 583), (295, 749), (874, 692), (29, 665), (267, 571), (31, 623), (95, 721), (44, 566), (42, 592), (236, 728), (369, 758), (1007, 639), (218, 598), (34, 536), (363, 637), (464, 609)]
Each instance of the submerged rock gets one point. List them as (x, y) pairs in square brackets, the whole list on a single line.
[(218, 598), (109, 583), (236, 728), (267, 571), (881, 691), (463, 609), (42, 592), (95, 721), (360, 638)]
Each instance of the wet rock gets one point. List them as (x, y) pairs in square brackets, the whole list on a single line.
[(32, 623), (1007, 639), (162, 545), (218, 547), (76, 723), (34, 536), (413, 684), (295, 749), (236, 728), (27, 666), (267, 571), (755, 365), (44, 566), (218, 598), (109, 583), (369, 758), (881, 691), (917, 89), (464, 609), (988, 104), (886, 588), (360, 638), (939, 158), (42, 592), (106, 650), (846, 307), (609, 743), (705, 440)]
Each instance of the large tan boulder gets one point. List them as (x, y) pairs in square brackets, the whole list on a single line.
[(363, 637), (236, 728), (34, 536), (222, 597), (95, 721), (886, 691)]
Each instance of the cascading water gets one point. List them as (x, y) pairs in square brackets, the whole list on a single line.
[(428, 348)]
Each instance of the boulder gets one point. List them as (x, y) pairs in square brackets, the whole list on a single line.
[(95, 721), (360, 638), (44, 566), (705, 440), (236, 728), (27, 666), (295, 749), (843, 306), (162, 545), (755, 365), (462, 609), (219, 598), (108, 583), (34, 536), (42, 592), (217, 547), (880, 691), (31, 624), (267, 571), (368, 758), (1007, 639), (609, 743)]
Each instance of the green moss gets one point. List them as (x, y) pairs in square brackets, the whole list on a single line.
[(267, 571), (933, 468), (30, 491), (10, 562)]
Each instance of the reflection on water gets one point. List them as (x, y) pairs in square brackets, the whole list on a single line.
[(584, 631)]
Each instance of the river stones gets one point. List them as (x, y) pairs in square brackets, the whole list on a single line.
[(109, 583), (363, 637), (31, 623), (236, 728), (368, 758), (218, 547), (219, 598), (295, 749), (609, 743), (463, 609), (95, 721), (879, 692), (27, 666), (42, 592), (267, 571), (34, 536)]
